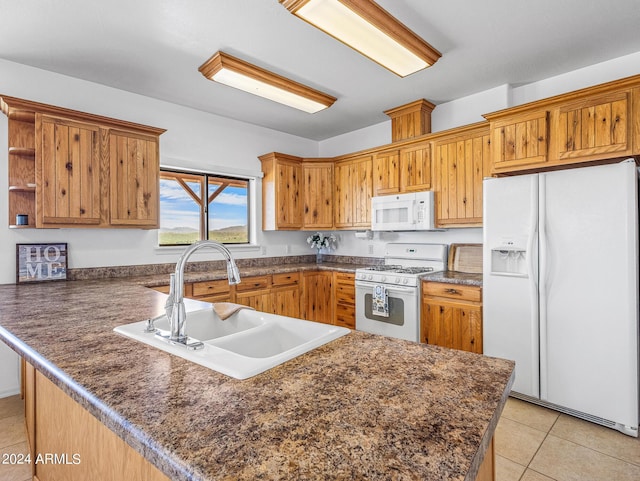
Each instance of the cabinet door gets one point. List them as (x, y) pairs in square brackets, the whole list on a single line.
[(286, 301), (415, 168), (135, 179), (343, 197), (259, 300), (68, 172), (594, 128), (362, 185), (452, 325), (520, 142), (288, 182), (386, 175), (317, 296), (460, 166), (318, 195)]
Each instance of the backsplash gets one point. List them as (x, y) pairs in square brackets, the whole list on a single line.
[(88, 273)]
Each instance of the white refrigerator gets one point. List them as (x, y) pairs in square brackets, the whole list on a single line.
[(560, 288)]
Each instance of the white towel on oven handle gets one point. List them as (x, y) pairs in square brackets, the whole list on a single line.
[(380, 301)]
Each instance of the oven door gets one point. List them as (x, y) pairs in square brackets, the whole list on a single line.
[(403, 321)]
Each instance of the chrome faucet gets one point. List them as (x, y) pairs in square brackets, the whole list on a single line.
[(174, 307)]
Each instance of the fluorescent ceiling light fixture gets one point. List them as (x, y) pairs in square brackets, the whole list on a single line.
[(232, 71), (366, 27)]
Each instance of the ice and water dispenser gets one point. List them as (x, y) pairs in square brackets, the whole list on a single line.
[(509, 258)]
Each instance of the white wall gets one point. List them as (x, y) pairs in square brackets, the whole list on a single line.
[(193, 139)]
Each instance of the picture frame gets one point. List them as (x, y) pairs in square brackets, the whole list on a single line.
[(41, 262)]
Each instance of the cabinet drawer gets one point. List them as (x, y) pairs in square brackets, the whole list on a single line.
[(286, 279), (208, 288), (452, 291), (345, 316), (345, 294), (163, 289), (253, 283)]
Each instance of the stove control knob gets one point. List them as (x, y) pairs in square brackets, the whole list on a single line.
[(397, 280), (406, 281), (369, 277), (383, 278)]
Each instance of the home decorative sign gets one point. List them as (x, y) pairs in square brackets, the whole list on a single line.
[(41, 262)]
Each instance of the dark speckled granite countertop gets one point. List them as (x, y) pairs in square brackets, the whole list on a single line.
[(454, 277), (363, 407)]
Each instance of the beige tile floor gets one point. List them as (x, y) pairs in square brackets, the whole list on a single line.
[(532, 444), (537, 444)]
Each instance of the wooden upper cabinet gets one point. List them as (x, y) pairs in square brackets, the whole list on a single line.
[(353, 191), (415, 167), (460, 164), (281, 192), (520, 142), (596, 124), (594, 127), (317, 195), (72, 169), (386, 172), (135, 178), (68, 172)]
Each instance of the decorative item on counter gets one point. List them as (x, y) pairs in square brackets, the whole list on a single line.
[(320, 241), (41, 262), (22, 219)]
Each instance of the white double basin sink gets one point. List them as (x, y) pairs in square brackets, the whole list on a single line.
[(245, 344)]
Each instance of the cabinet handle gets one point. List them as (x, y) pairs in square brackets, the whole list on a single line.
[(451, 291)]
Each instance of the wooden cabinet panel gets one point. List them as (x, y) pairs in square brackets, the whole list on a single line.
[(135, 179), (454, 326), (317, 195), (317, 299), (254, 283), (286, 301), (386, 175), (594, 127), (353, 191), (520, 141), (460, 165), (60, 422), (210, 288), (68, 172), (285, 279), (415, 168), (259, 300), (344, 299), (451, 316), (452, 291), (281, 191)]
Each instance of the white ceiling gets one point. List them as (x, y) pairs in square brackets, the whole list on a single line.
[(154, 48)]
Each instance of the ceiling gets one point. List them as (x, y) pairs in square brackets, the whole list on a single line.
[(154, 48)]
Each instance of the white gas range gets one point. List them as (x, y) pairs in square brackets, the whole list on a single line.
[(388, 296)]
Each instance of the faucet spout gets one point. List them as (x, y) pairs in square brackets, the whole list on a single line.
[(176, 313)]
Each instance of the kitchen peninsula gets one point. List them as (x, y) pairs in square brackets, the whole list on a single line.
[(361, 407)]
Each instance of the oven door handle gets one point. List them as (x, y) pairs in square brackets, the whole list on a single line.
[(390, 288)]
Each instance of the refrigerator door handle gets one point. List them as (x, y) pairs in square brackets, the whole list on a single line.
[(532, 259), (543, 282)]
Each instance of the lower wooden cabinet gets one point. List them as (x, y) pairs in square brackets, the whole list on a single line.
[(321, 296), (58, 424), (317, 297), (345, 295), (451, 316)]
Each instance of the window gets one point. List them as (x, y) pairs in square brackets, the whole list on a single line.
[(196, 206)]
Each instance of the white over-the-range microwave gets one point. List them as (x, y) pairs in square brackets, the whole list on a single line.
[(403, 212)]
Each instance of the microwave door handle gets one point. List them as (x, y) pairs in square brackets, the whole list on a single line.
[(412, 213)]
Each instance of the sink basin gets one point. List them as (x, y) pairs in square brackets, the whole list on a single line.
[(245, 344)]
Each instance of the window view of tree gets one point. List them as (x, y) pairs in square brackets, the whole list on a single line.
[(202, 206)]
